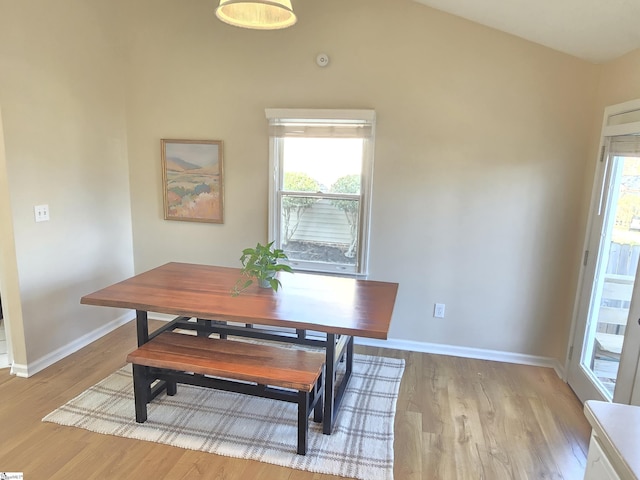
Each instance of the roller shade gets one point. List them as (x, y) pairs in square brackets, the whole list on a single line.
[(287, 123), (625, 146), (282, 130)]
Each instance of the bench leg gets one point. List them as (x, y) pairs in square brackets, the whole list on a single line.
[(140, 392), (172, 388), (303, 421), (318, 396)]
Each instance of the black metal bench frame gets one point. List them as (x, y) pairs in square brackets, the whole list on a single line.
[(149, 382), (337, 348)]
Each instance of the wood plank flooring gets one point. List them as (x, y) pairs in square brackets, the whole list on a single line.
[(456, 419)]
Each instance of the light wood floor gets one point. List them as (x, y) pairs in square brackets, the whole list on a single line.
[(456, 419)]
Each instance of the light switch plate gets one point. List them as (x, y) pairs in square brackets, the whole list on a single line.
[(41, 213)]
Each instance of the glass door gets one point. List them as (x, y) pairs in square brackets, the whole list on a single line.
[(615, 274), (609, 277)]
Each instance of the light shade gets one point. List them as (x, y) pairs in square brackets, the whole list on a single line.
[(258, 14)]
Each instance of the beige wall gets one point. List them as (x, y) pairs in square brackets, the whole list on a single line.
[(484, 155), (63, 107), (481, 150), (620, 81)]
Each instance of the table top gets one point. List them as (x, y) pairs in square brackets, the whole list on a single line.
[(322, 303)]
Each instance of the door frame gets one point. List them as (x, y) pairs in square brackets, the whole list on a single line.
[(9, 279), (581, 384)]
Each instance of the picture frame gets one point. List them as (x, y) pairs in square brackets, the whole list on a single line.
[(193, 180)]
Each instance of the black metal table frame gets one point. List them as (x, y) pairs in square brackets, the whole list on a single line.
[(337, 347)]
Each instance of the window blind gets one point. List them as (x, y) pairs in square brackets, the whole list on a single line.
[(295, 129), (287, 123), (625, 146)]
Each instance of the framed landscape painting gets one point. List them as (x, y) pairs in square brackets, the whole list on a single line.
[(193, 182)]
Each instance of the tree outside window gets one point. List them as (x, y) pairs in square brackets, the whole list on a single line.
[(351, 208), (294, 207)]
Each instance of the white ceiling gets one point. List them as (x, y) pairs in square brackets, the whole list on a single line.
[(594, 30)]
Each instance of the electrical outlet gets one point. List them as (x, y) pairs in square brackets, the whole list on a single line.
[(438, 310)]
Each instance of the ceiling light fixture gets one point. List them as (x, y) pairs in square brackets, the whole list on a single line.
[(257, 14)]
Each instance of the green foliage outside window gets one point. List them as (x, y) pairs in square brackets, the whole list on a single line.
[(294, 207), (628, 207), (351, 208)]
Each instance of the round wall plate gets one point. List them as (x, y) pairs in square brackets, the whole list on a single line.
[(322, 59)]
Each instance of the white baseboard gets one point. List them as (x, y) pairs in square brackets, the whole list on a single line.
[(32, 368), (465, 352), (452, 350), (19, 370)]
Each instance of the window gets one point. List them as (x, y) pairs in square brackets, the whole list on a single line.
[(321, 164)]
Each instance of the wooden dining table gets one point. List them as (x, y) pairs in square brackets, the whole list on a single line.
[(309, 309)]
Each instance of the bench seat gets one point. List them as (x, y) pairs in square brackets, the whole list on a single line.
[(237, 366)]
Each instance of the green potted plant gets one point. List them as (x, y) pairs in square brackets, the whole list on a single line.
[(261, 264)]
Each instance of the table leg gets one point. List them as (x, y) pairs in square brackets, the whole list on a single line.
[(206, 323), (329, 384), (334, 393), (345, 351), (349, 366), (142, 326)]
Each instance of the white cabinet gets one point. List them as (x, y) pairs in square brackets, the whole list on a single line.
[(598, 465), (613, 449)]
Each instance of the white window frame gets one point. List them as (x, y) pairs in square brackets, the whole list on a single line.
[(279, 116)]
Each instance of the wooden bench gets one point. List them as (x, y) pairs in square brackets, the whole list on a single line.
[(236, 366)]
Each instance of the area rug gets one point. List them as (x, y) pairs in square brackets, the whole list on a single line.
[(235, 425)]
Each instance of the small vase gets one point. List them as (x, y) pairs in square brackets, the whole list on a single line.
[(265, 282)]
